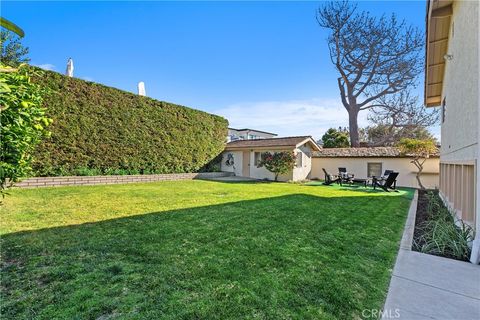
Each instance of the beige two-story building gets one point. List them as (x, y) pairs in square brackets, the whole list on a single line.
[(452, 84)]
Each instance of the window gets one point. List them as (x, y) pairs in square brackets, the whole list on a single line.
[(374, 169), (257, 158), (444, 109), (299, 160)]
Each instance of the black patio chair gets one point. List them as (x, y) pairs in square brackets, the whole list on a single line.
[(330, 178), (386, 173), (389, 183), (344, 176), (384, 177)]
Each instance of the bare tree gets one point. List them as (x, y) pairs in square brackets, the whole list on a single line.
[(400, 116), (375, 56)]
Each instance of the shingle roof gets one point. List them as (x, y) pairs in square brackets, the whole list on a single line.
[(374, 152), (272, 142)]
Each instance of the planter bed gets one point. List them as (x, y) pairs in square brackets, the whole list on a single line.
[(427, 230)]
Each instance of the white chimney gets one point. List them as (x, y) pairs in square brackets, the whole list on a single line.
[(141, 88), (69, 71)]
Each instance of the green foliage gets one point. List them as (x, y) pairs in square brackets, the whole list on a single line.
[(334, 138), (278, 162), (23, 122), (443, 234), (103, 130), (13, 52), (215, 165), (9, 25), (420, 150), (417, 147)]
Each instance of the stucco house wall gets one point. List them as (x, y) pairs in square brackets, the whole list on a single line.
[(358, 166), (236, 168), (253, 171), (245, 150), (303, 172), (262, 173), (460, 86), (452, 83)]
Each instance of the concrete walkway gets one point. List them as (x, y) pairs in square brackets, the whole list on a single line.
[(429, 287)]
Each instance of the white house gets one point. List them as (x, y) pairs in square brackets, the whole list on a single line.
[(242, 157), (452, 83)]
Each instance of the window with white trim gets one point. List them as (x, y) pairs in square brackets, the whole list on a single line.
[(374, 169)]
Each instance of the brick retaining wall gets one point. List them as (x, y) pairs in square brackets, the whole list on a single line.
[(96, 180)]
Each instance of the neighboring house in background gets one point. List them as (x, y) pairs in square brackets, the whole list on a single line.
[(242, 157), (452, 82), (368, 162), (247, 134)]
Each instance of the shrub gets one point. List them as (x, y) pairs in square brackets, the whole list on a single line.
[(443, 234), (278, 162), (23, 122), (103, 130)]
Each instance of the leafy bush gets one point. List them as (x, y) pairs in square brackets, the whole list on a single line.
[(215, 165), (443, 234), (334, 138), (103, 130), (23, 122), (278, 162)]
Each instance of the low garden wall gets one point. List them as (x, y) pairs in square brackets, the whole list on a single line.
[(96, 180)]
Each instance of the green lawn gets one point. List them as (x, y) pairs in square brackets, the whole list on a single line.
[(198, 249)]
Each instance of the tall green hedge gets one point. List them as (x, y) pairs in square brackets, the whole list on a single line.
[(107, 131)]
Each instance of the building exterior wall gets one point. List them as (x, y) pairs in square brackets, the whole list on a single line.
[(234, 135), (237, 166), (459, 156), (460, 85), (303, 172), (297, 174), (358, 166)]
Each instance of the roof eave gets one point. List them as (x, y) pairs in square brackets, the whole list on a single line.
[(436, 49)]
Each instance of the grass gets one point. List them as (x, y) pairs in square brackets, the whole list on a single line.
[(198, 249)]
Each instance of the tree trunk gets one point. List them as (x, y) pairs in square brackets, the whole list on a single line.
[(353, 127), (276, 176), (419, 172)]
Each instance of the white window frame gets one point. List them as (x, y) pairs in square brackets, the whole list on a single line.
[(374, 163)]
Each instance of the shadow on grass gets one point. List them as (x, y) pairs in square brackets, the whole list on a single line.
[(297, 256)]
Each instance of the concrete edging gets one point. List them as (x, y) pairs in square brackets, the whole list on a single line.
[(409, 228)]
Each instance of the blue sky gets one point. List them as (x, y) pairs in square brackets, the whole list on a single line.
[(263, 65)]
